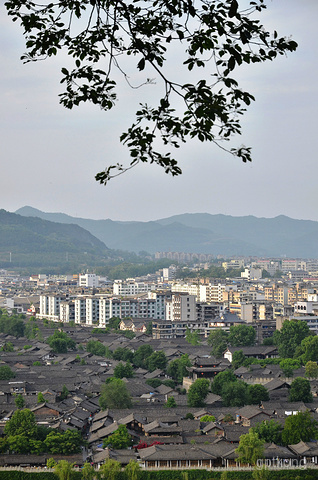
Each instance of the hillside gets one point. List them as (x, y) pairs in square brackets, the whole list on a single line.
[(202, 233), (38, 242)]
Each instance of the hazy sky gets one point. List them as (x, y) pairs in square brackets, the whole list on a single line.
[(49, 155)]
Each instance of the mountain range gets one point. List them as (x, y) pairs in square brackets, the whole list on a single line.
[(32, 241), (200, 233)]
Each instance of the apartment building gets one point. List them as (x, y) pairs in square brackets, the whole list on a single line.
[(131, 287)]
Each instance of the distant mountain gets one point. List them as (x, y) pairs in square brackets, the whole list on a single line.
[(202, 233), (34, 241)]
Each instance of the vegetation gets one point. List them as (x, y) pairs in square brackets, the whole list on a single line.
[(123, 370), (300, 391), (114, 394), (177, 369), (250, 449), (219, 35), (24, 436), (60, 342), (290, 337), (6, 373), (119, 439), (198, 392), (299, 427)]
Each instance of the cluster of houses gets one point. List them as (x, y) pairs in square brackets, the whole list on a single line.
[(162, 437)]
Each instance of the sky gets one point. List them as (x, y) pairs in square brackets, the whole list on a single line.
[(50, 155)]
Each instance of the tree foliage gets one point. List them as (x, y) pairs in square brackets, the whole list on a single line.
[(114, 394), (123, 370), (218, 339), (290, 337), (300, 391), (257, 394), (222, 379), (109, 470), (119, 439), (299, 427), (64, 470), (6, 373), (311, 369), (157, 360), (133, 470), (308, 349), (196, 102), (198, 392), (141, 356), (60, 342), (269, 431), (242, 335), (177, 369), (235, 394), (250, 449), (22, 422)]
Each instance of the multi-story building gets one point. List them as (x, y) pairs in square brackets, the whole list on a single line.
[(130, 287), (88, 280), (181, 307)]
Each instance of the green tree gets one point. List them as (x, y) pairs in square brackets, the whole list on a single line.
[(250, 449), (19, 443), (300, 391), (235, 394), (238, 359), (242, 335), (288, 365), (88, 471), (22, 422), (311, 369), (157, 360), (119, 439), (308, 349), (19, 401), (96, 348), (219, 34), (115, 395), (123, 370), (290, 336), (6, 373), (149, 329), (192, 337), (154, 382), (177, 369), (66, 443), (50, 463), (171, 402), (64, 470), (269, 431), (222, 379), (299, 427), (110, 470), (207, 418), (141, 356), (124, 354), (64, 394), (60, 342), (133, 470), (198, 392), (114, 322), (257, 394), (7, 347), (218, 339)]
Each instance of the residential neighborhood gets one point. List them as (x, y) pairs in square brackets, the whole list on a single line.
[(181, 370)]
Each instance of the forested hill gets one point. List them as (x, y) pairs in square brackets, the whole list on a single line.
[(38, 242), (202, 233)]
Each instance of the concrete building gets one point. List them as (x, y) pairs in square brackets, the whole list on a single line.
[(88, 280)]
